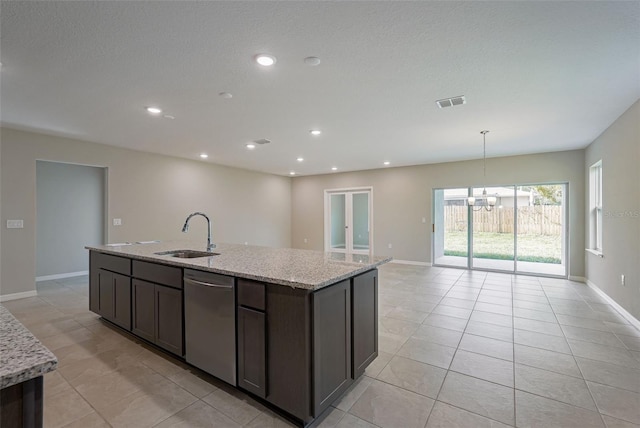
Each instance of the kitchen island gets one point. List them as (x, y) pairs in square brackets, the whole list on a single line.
[(292, 327), (23, 362)]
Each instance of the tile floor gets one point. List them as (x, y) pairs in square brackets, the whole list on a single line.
[(457, 349)]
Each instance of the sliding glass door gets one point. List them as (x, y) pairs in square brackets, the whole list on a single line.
[(492, 238), (524, 231)]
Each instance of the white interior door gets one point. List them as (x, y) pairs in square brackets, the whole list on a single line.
[(348, 221)]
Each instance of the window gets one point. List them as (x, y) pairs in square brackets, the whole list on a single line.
[(595, 207)]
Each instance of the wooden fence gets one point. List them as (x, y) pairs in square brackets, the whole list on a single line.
[(536, 220)]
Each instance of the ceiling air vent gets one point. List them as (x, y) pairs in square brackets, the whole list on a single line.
[(453, 101), (262, 141)]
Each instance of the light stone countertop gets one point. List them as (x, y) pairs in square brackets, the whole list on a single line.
[(296, 268), (22, 356)]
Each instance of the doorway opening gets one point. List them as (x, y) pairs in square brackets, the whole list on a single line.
[(348, 220), (524, 232), (70, 214)]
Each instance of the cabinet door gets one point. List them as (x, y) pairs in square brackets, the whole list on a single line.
[(143, 302), (105, 294), (168, 315), (331, 343), (364, 305), (252, 351), (122, 301)]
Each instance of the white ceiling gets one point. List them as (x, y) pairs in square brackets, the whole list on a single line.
[(541, 76)]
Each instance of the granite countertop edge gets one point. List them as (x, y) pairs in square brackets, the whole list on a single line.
[(22, 356), (353, 268)]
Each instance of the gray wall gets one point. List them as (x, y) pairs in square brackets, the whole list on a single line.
[(403, 195), (69, 215), (152, 194), (619, 149)]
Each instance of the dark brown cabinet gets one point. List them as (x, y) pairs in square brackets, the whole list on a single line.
[(364, 319), (157, 309), (252, 337), (331, 344), (110, 289)]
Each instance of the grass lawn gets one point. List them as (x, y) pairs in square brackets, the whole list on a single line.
[(499, 246)]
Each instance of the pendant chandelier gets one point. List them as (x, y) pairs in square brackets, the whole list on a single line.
[(489, 201)]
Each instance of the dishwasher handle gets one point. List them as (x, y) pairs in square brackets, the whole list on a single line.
[(206, 284)]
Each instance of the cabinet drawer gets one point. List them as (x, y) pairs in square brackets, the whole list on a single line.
[(251, 294), (160, 274), (111, 263)]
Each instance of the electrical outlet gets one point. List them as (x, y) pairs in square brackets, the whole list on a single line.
[(117, 222), (622, 280), (390, 246), (15, 224)]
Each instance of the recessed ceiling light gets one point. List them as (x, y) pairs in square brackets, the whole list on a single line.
[(334, 168), (250, 146), (153, 110), (204, 155), (225, 95), (265, 60), (386, 163), (300, 159), (168, 116), (315, 132), (312, 61), (292, 173)]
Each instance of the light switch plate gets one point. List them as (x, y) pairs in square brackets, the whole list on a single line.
[(15, 224), (117, 222)]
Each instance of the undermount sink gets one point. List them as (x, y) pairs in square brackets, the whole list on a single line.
[(187, 254)]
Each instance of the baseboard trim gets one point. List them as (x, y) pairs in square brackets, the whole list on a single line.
[(410, 262), (61, 275), (632, 320), (16, 296), (577, 278)]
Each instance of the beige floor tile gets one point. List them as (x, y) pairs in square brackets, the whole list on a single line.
[(330, 418), (67, 338), (86, 370), (268, 419), (552, 329), (483, 367), (390, 343), (452, 311), (350, 421), (492, 318), (92, 420), (192, 383), (618, 403), (236, 406), (618, 328), (533, 411), (148, 407), (542, 341), (534, 314), (445, 416), (617, 423), (610, 374), (427, 352), (458, 303), (487, 346), (197, 415), (444, 321), (595, 336), (407, 314), (608, 354), (583, 322), (492, 307), (479, 396), (388, 406), (567, 389), (54, 383), (63, 408), (352, 394), (396, 326), (631, 342), (441, 336), (490, 330), (547, 360), (414, 376), (378, 364)]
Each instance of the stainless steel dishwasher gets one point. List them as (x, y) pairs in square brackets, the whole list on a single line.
[(210, 323)]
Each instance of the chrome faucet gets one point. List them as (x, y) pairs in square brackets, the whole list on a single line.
[(185, 228)]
